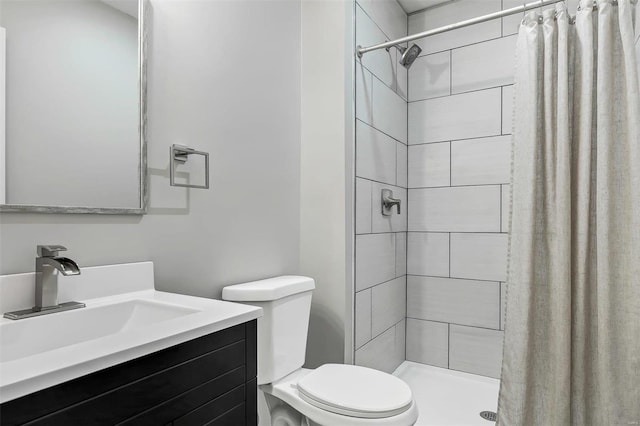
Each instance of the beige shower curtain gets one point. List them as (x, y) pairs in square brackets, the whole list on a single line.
[(572, 338)]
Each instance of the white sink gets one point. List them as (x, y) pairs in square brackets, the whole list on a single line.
[(124, 318), (35, 335)]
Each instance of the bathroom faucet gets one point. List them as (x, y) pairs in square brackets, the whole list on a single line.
[(47, 263), (48, 267)]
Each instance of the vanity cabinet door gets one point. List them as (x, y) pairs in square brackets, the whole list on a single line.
[(209, 379)]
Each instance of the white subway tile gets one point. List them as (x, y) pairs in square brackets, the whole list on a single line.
[(363, 317), (511, 24), (401, 165), (380, 62), (475, 350), (428, 253), (375, 154), (389, 112), (483, 65), (364, 94), (429, 165), (427, 342), (479, 256), (466, 302), (381, 353), (506, 208), (456, 209), (507, 110), (468, 115), (481, 161), (388, 15), (450, 13), (363, 206), (401, 254), (375, 259), (389, 304), (429, 76), (395, 222)]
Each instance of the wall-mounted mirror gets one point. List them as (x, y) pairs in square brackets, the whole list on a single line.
[(72, 106)]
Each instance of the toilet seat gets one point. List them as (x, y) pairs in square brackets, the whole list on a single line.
[(287, 391), (355, 391)]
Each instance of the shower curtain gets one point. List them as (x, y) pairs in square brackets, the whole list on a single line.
[(572, 337)]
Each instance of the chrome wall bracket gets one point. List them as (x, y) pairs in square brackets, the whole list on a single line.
[(180, 154)]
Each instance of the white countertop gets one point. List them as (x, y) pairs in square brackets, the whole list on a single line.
[(28, 374)]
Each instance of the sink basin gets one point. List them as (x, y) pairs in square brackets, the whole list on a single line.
[(125, 318), (40, 334)]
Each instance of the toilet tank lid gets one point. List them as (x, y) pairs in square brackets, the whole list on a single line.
[(269, 289)]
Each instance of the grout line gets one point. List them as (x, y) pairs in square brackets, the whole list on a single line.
[(371, 313), (466, 45), (381, 333), (500, 305), (450, 163), (453, 232), (502, 19), (453, 323), (501, 230), (383, 83), (448, 344), (380, 131), (495, 135), (451, 186), (449, 254), (501, 110), (484, 89), (450, 72), (377, 284), (373, 20), (383, 183), (370, 210), (453, 278)]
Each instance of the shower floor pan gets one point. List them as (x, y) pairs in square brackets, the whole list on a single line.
[(448, 397)]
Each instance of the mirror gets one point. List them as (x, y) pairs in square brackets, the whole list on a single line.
[(72, 96)]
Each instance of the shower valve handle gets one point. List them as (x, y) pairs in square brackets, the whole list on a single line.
[(388, 202)]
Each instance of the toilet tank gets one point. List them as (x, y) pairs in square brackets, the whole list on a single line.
[(282, 329)]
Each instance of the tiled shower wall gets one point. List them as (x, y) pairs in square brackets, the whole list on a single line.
[(456, 169), (381, 160), (460, 93)]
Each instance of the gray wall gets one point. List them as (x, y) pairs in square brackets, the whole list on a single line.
[(381, 163), (224, 76), (326, 168), (72, 104)]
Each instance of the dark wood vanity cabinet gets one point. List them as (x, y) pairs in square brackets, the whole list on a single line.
[(209, 380)]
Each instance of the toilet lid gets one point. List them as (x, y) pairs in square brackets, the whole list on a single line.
[(355, 391)]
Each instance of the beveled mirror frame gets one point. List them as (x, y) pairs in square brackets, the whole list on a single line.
[(143, 24)]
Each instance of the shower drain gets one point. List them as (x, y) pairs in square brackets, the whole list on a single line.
[(488, 415)]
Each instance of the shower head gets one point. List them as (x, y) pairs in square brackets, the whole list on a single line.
[(409, 55)]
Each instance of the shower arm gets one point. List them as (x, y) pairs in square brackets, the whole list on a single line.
[(514, 10)]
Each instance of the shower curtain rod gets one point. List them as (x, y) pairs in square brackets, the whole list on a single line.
[(518, 9)]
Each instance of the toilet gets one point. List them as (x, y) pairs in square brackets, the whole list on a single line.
[(330, 395)]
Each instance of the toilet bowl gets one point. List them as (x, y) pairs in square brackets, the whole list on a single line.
[(330, 395)]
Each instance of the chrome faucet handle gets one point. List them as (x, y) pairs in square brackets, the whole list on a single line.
[(50, 250)]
